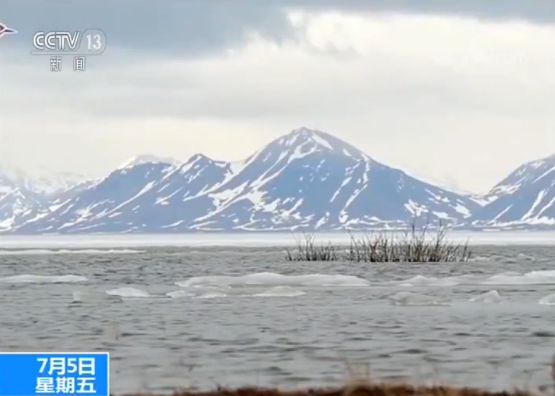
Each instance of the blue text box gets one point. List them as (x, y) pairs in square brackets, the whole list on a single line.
[(59, 373)]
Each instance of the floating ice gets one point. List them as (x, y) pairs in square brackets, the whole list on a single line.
[(180, 294), (216, 292), (547, 300), (128, 292), (268, 278), (489, 297), (44, 279), (480, 258), (408, 298), (212, 295), (503, 278), (420, 280), (281, 291), (27, 252), (515, 278), (78, 296)]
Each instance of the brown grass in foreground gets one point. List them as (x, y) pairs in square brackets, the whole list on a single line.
[(357, 390), (360, 383)]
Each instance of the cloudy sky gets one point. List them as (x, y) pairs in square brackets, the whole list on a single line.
[(460, 91)]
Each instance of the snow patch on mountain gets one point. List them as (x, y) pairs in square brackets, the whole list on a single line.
[(524, 199), (305, 180), (39, 180), (148, 158)]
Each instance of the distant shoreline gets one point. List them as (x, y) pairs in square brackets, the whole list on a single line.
[(246, 239)]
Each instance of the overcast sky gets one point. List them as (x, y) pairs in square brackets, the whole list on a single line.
[(460, 91)]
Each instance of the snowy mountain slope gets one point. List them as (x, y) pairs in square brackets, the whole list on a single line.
[(524, 199), (140, 197), (101, 198), (15, 201), (310, 179), (14, 204), (40, 181), (303, 180), (19, 194), (148, 158), (49, 203)]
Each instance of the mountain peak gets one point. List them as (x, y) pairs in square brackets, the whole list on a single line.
[(550, 159), (305, 131), (146, 159), (306, 179), (303, 134), (316, 140), (199, 157)]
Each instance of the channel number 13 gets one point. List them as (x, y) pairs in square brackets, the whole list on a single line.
[(94, 42)]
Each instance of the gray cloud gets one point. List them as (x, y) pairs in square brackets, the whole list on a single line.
[(192, 27), (466, 87), (535, 11), (204, 27)]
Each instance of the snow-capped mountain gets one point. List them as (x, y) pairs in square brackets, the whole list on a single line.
[(21, 193), (40, 180), (305, 180), (14, 202), (148, 158), (312, 180), (524, 199)]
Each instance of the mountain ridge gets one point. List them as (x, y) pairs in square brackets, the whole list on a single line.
[(306, 180), (525, 198)]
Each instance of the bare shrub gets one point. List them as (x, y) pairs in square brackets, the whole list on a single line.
[(413, 246)]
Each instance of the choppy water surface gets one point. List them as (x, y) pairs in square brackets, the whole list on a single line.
[(197, 317)]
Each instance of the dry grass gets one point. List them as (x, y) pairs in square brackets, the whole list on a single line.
[(358, 382), (414, 246), (307, 250), (362, 389)]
